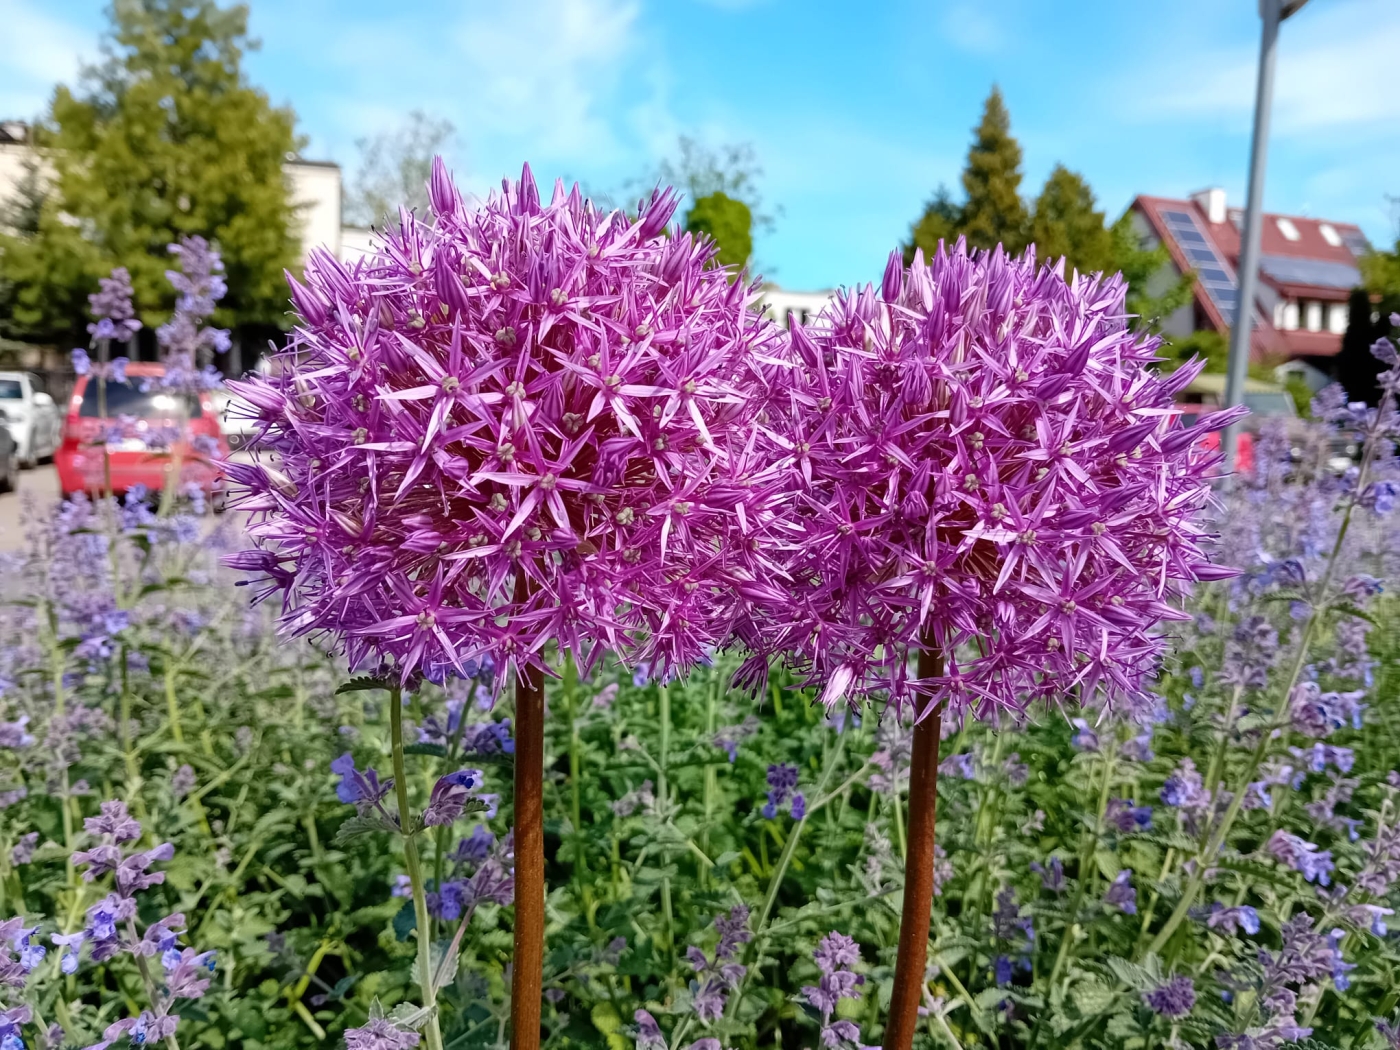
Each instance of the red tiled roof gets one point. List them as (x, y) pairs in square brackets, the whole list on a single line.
[(1296, 266)]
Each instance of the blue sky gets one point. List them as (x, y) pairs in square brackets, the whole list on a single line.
[(856, 112)]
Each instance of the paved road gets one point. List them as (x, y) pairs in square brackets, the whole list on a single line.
[(42, 484)]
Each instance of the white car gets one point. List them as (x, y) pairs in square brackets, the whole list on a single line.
[(33, 418)]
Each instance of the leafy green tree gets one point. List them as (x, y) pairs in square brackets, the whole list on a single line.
[(1066, 224), (166, 137), (941, 221), (728, 222), (394, 170), (994, 212)]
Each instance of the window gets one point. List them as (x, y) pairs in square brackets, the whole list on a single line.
[(10, 390), (1290, 317), (1314, 316), (127, 399), (1337, 318), (1330, 234), (1286, 227)]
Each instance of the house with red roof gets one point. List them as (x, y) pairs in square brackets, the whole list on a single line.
[(1307, 270)]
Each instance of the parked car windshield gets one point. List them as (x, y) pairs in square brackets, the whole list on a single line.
[(127, 399), (11, 390)]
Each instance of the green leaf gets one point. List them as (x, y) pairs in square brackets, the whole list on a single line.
[(1131, 974), (405, 922), (362, 685), (727, 858), (1348, 609), (360, 825), (436, 750)]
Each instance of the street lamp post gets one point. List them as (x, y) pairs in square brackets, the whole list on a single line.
[(1272, 13)]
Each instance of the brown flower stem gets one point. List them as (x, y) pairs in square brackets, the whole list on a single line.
[(528, 964), (918, 866)]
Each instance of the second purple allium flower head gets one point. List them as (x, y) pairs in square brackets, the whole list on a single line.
[(985, 463)]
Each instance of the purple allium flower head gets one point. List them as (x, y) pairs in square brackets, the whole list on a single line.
[(1173, 999), (111, 306), (523, 423), (991, 457)]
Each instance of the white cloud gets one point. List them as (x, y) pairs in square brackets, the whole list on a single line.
[(1335, 71), (40, 51), (974, 28)]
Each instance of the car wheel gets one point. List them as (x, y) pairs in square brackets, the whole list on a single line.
[(7, 480), (32, 460)]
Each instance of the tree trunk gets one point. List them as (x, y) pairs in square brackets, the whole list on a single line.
[(918, 864)]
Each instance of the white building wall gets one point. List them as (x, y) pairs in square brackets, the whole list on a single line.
[(784, 306)]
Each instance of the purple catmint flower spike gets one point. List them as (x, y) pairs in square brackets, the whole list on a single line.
[(115, 318)]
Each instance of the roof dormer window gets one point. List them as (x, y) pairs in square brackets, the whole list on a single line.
[(1330, 234), (1286, 227)]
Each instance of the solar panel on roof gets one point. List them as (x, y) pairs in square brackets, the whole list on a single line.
[(1216, 276), (1356, 241), (1318, 272)]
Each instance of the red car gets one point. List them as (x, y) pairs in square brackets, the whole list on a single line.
[(139, 426)]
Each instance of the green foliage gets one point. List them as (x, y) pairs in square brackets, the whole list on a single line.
[(994, 212), (1368, 320), (728, 222), (1207, 344), (394, 170), (1066, 223), (166, 138)]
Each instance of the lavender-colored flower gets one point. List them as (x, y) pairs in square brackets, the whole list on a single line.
[(450, 796), (186, 341), (1123, 816), (989, 456), (518, 424), (187, 972), (835, 955), (1051, 877), (23, 850), (364, 789), (648, 1032), (728, 738), (113, 823), (71, 943), (146, 1029), (380, 1034), (111, 306), (714, 980), (1172, 999), (1016, 771), (1314, 864), (963, 766), (183, 781), (1122, 894), (1232, 920), (782, 783), (14, 735), (1085, 738), (1185, 789)]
